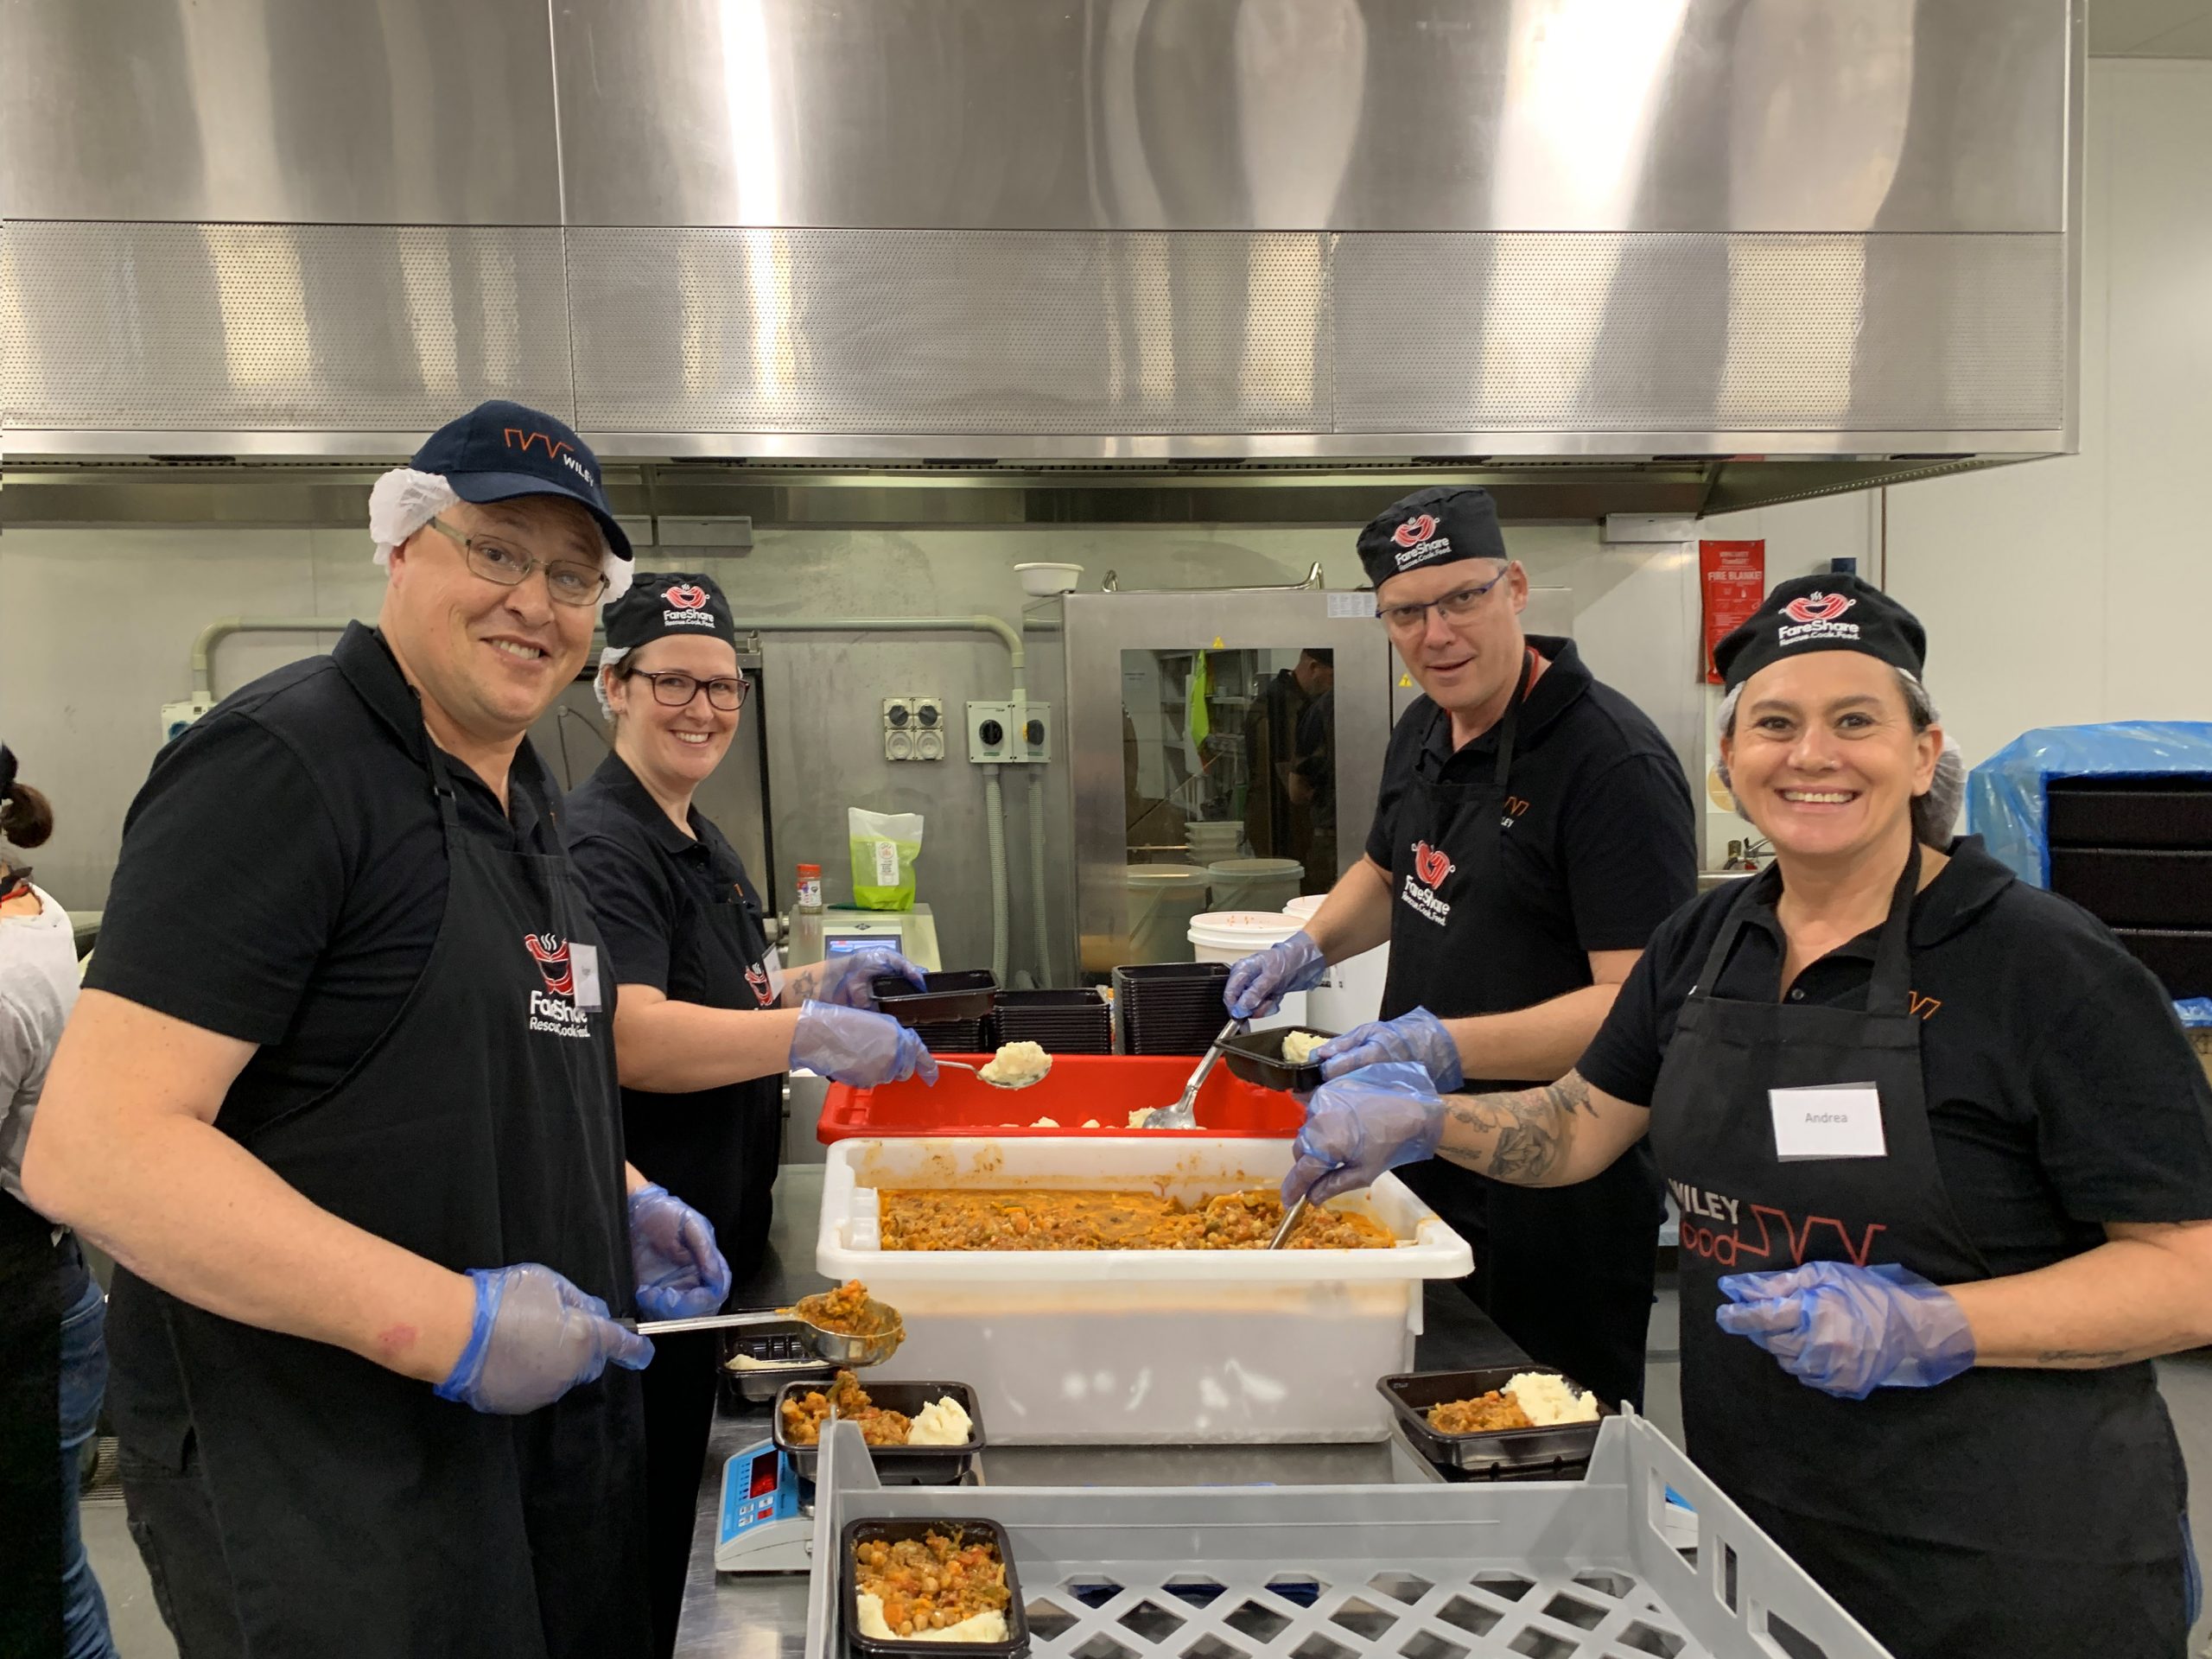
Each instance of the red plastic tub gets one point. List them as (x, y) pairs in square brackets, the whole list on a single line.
[(1108, 1087)]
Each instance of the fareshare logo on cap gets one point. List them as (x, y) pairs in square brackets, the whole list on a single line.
[(1431, 866), (555, 450), (554, 1010), (687, 607), (1417, 541), (685, 597), (1815, 616)]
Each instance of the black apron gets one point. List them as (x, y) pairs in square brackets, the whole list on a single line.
[(2013, 1512), (717, 1149), (358, 1512), (39, 1279), (1566, 1272)]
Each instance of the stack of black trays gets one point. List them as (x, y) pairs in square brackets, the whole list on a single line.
[(1059, 1022), (953, 1036), (2136, 853), (1170, 1008)]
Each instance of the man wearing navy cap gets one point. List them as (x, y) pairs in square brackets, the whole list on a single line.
[(1533, 829), (340, 1098)]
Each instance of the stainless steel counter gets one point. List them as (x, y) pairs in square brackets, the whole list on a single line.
[(764, 1615)]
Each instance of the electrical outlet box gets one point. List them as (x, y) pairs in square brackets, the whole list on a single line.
[(1010, 733), (913, 727), (175, 716)]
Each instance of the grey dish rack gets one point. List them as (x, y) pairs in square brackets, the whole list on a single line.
[(1538, 1570)]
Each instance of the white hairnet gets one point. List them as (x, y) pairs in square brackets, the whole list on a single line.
[(404, 500), (608, 656), (1935, 813)]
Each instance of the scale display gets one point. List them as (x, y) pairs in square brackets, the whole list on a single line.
[(764, 1527)]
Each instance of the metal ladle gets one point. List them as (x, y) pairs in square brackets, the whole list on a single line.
[(844, 1348), (1183, 1115), (994, 1082)]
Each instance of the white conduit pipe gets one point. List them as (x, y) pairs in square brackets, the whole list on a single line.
[(203, 648), (995, 821), (1036, 873)]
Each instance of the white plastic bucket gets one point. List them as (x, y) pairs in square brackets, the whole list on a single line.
[(1304, 905), (1163, 898), (1232, 935), (1255, 883)]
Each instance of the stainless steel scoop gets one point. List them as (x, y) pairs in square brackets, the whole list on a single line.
[(833, 1347), (1183, 1114), (1025, 1084)]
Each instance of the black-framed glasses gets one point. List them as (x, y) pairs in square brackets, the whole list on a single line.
[(673, 690), (496, 559), (1412, 619)]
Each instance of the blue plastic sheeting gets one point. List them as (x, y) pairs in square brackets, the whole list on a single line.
[(2195, 1010), (2005, 793)]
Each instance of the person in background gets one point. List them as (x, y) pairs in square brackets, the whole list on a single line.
[(706, 1021), (1944, 1158), (1312, 785), (1533, 829), (340, 1097), (53, 1360), (1276, 823)]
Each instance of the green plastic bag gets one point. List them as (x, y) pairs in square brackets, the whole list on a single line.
[(885, 846)]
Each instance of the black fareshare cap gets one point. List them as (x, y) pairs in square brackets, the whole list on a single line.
[(1832, 613), (662, 603), (1431, 526)]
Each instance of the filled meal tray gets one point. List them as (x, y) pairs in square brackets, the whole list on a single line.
[(1495, 1419), (1119, 1290), (921, 1433), (933, 1587), (1587, 1569), (1092, 1096), (1280, 1058)]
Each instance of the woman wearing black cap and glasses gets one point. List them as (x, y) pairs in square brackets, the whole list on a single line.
[(1945, 1164), (705, 1021)]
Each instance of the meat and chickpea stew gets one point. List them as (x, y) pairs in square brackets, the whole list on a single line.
[(942, 1586), (1485, 1414), (1033, 1220), (804, 1413), (847, 1310)]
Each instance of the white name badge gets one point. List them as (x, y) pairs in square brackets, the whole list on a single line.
[(583, 967), (1836, 1120), (772, 965)]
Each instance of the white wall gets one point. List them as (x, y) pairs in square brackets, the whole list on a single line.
[(2079, 590)]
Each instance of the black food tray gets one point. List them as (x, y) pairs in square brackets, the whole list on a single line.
[(2160, 811), (2181, 957), (1059, 1022), (788, 1359), (1256, 1057), (916, 1465), (1016, 1644), (955, 993), (954, 1036), (1413, 1393), (2125, 886)]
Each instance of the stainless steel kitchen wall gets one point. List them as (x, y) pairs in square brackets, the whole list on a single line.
[(1100, 229)]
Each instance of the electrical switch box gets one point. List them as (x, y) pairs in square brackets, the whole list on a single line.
[(913, 727), (1010, 733)]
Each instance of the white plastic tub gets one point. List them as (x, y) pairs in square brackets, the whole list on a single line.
[(1232, 935), (1131, 1347), (1352, 994)]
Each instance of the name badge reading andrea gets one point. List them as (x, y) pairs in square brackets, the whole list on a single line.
[(583, 963), (1836, 1120)]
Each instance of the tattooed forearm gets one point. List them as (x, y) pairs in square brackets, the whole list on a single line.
[(1524, 1138)]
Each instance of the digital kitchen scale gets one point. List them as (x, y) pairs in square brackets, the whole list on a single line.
[(764, 1526)]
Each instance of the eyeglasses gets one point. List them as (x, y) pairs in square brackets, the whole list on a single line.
[(1412, 619), (675, 690), (497, 560)]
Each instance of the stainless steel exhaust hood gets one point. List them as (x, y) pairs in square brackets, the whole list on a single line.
[(1607, 255)]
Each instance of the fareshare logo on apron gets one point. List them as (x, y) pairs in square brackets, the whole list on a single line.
[(1431, 866), (554, 1009)]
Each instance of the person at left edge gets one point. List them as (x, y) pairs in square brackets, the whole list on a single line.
[(338, 1096), (705, 1019)]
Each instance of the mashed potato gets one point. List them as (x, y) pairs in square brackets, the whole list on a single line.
[(1016, 1064), (980, 1627), (943, 1422), (1298, 1047), (1550, 1399), (1047, 1123), (1138, 1116)]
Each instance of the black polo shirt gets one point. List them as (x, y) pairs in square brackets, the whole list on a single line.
[(1606, 847), (650, 884), (2061, 1091), (283, 870)]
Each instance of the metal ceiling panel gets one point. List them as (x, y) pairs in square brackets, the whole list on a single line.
[(403, 111)]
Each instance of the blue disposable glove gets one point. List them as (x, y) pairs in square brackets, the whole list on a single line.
[(1419, 1037), (1258, 983), (681, 1275), (1359, 1126), (847, 979), (536, 1336), (854, 1045), (1849, 1330)]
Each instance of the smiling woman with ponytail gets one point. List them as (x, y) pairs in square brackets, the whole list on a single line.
[(52, 1318)]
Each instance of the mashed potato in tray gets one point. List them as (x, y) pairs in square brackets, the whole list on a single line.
[(976, 1627), (943, 1422), (1552, 1399), (1298, 1047), (1016, 1064), (937, 1588)]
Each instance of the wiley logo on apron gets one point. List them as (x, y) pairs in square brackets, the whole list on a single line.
[(1764, 1237), (1432, 865)]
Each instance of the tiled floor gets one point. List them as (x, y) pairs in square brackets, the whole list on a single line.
[(139, 1633)]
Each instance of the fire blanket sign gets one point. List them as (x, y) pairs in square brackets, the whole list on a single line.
[(1732, 577)]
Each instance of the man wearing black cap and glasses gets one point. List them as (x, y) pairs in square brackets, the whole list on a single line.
[(1532, 829), (340, 1098)]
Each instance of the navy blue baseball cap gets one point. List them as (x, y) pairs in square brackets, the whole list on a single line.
[(500, 450)]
